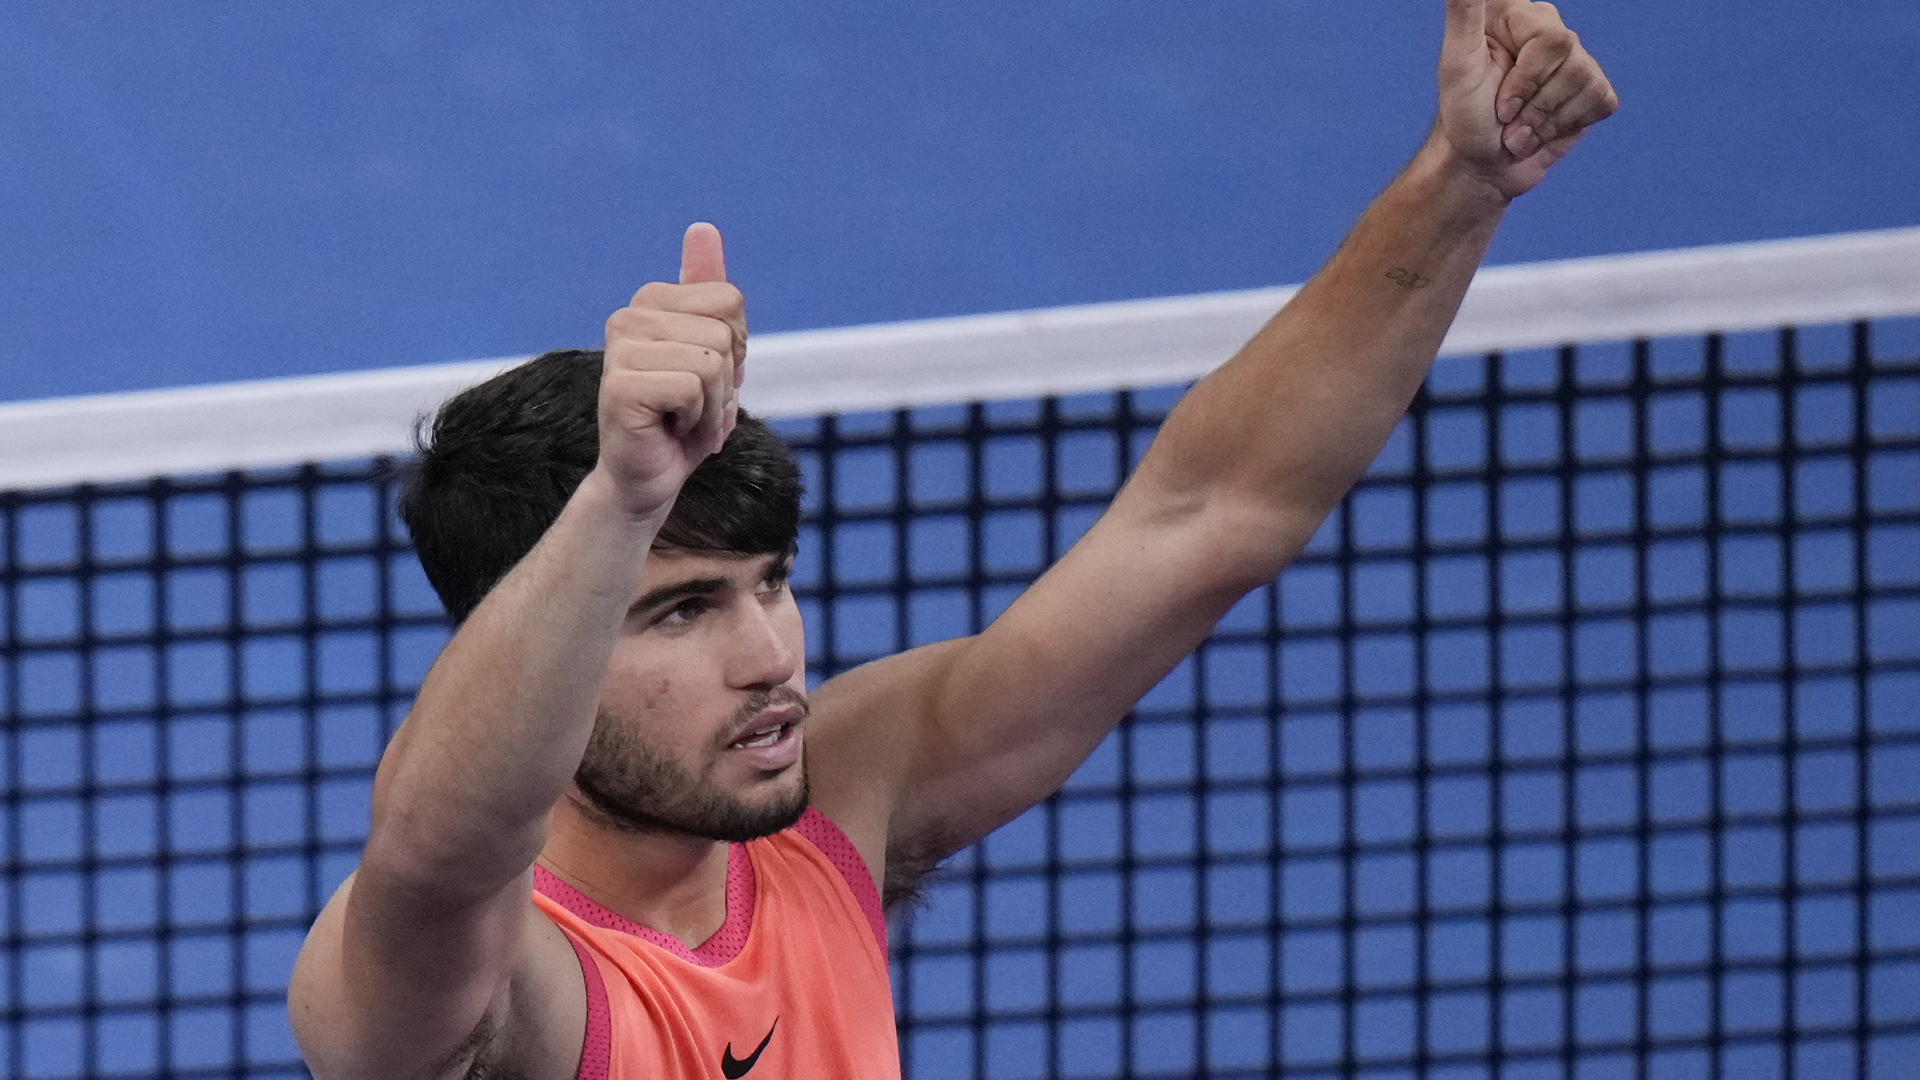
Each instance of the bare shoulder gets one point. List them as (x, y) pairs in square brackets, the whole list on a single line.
[(361, 1009), (920, 754), (863, 738)]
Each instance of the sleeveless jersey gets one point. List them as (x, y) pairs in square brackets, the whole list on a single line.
[(794, 984)]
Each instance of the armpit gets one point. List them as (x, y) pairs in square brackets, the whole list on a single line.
[(908, 864), (483, 1056)]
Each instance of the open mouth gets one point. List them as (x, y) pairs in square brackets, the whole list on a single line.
[(766, 735), (768, 738)]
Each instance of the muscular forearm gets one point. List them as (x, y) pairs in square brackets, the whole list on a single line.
[(432, 953), (1268, 444), (1250, 462), (463, 794), (1281, 431), (499, 726)]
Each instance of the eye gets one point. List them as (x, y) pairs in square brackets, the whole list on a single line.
[(776, 580), (684, 612)]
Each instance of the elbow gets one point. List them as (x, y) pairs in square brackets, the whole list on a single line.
[(439, 863), (1247, 543), (1244, 535)]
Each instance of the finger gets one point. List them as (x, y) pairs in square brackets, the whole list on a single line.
[(714, 299), (1558, 148), (657, 324), (1466, 33), (704, 374), (1536, 61), (1588, 106), (630, 354), (701, 255), (1561, 101), (646, 337), (716, 388), (636, 400), (1513, 23), (702, 427)]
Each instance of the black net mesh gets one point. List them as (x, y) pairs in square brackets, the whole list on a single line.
[(1584, 741)]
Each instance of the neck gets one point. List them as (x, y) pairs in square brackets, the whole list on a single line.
[(670, 882)]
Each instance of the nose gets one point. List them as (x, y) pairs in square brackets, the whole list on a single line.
[(766, 646)]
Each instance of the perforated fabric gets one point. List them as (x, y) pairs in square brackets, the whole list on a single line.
[(839, 850), (723, 946), (795, 981), (598, 1042)]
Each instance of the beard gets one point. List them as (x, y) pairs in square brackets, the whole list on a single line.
[(630, 786)]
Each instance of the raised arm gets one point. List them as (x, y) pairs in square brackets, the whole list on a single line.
[(971, 733), (433, 946)]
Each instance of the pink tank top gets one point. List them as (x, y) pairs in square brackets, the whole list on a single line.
[(793, 985)]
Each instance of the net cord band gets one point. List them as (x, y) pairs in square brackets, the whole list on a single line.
[(1063, 350)]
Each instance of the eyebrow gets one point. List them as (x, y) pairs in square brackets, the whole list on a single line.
[(781, 566), (679, 590)]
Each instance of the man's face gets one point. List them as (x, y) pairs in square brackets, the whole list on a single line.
[(701, 709)]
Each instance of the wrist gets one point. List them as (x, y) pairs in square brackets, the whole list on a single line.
[(603, 498), (1451, 182)]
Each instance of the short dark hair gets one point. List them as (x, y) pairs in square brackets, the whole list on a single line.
[(501, 459)]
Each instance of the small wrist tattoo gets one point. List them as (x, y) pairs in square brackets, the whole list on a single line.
[(1402, 276)]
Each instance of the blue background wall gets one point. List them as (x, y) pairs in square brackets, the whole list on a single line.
[(201, 191)]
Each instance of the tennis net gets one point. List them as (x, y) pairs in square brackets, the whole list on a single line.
[(1583, 741)]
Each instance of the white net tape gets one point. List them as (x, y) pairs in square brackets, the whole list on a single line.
[(980, 357)]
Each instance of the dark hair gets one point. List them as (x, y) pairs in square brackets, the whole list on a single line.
[(502, 458)]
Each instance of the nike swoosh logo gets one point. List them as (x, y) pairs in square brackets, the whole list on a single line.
[(734, 1068)]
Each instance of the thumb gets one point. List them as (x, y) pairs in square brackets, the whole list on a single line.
[(701, 257), (1466, 29)]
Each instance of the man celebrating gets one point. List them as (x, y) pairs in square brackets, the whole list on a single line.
[(615, 839)]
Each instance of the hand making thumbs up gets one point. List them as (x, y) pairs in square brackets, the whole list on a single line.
[(669, 391)]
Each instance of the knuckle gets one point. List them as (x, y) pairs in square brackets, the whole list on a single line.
[(722, 300), (622, 324), (626, 358), (670, 389), (697, 362), (654, 294), (715, 337), (689, 386), (635, 323)]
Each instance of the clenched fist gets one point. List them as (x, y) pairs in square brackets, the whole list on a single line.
[(1517, 90), (669, 393)]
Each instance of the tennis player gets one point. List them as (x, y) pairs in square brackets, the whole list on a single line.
[(616, 839)]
